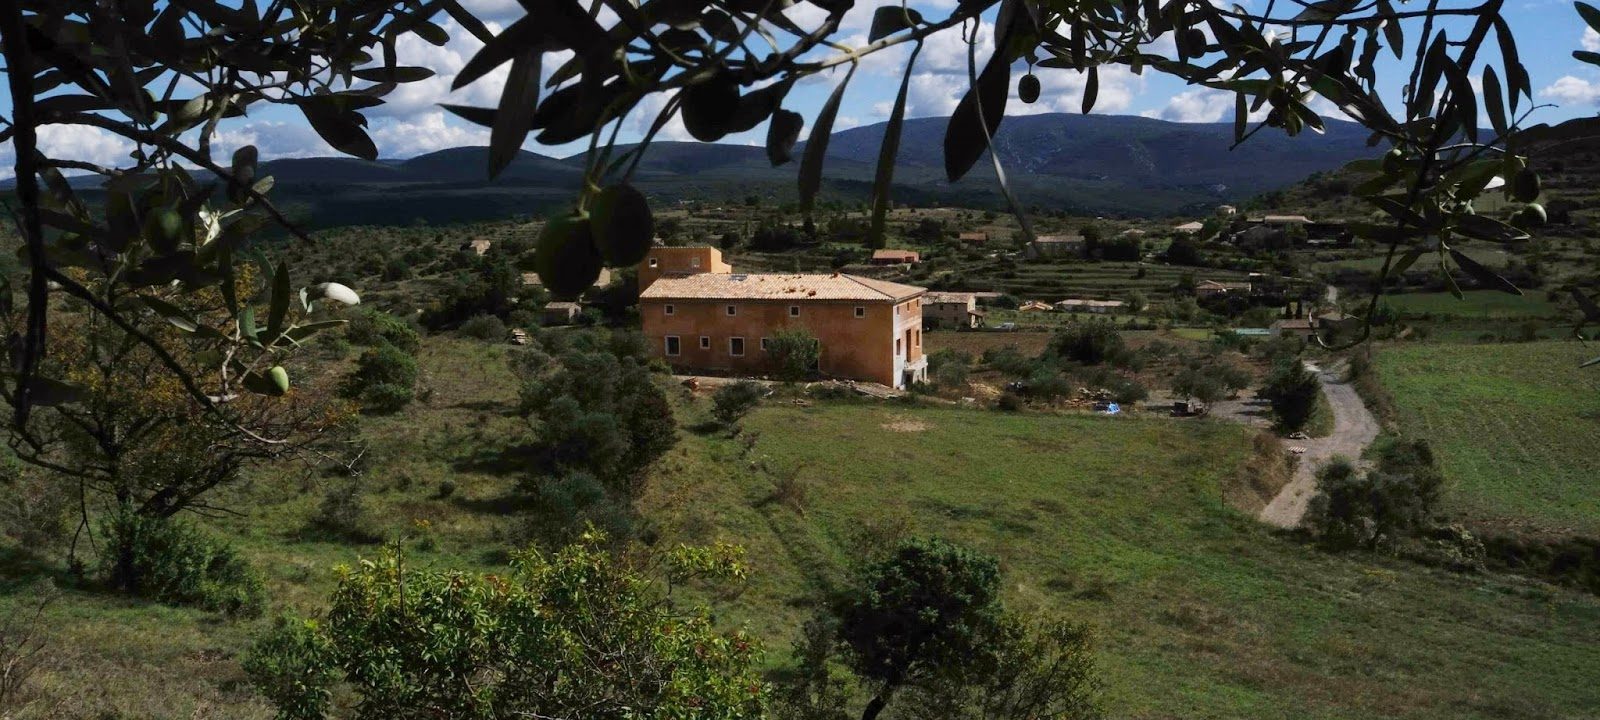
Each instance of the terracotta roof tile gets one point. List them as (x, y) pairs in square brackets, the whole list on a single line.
[(718, 286)]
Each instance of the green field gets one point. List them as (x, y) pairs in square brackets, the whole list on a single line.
[(1202, 613), (1517, 427), (1475, 305)]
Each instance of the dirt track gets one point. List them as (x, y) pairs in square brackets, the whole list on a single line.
[(1354, 428)]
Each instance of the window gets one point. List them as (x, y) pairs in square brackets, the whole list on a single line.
[(861, 312), (733, 310), (763, 344), (794, 311), (897, 346), (736, 347), (705, 342), (667, 309), (655, 262), (694, 262), (918, 334), (673, 346)]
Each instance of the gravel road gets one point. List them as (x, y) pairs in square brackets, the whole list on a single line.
[(1354, 428)]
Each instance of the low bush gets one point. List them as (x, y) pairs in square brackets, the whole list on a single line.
[(732, 402), (372, 327), (1377, 509), (171, 561), (484, 327), (383, 380)]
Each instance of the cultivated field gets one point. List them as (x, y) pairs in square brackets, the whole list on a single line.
[(1517, 427)]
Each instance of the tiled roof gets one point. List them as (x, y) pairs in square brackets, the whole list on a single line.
[(1059, 239), (948, 297), (717, 286), (886, 254)]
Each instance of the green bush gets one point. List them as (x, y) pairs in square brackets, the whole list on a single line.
[(373, 327), (383, 380), (575, 634), (171, 561), (731, 402), (484, 327)]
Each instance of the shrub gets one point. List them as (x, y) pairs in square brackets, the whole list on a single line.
[(1376, 509), (169, 560), (731, 402), (343, 514), (1009, 402), (575, 634), (795, 352), (1293, 392), (375, 326), (383, 379), (484, 327)]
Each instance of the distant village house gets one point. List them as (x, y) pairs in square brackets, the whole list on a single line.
[(974, 238), (951, 310), (1055, 246), (895, 257), (1098, 307), (1034, 306), (1214, 288), (560, 313)]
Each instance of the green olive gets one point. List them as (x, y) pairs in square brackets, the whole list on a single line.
[(622, 225), (566, 258)]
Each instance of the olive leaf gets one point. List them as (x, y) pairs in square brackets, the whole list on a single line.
[(976, 118), (817, 146), (883, 181), (514, 118), (1482, 274)]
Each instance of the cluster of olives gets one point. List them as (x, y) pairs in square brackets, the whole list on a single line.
[(616, 230)]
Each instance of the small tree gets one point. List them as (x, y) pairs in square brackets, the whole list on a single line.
[(732, 402), (1090, 343), (1294, 393), (924, 608), (795, 351)]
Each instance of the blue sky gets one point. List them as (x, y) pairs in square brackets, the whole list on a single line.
[(411, 123)]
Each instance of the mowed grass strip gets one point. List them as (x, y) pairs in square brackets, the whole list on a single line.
[(1201, 612), (1517, 427)]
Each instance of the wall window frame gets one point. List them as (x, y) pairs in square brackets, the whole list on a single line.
[(672, 345), (735, 347), (705, 342)]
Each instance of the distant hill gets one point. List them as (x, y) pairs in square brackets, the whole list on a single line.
[(1083, 164)]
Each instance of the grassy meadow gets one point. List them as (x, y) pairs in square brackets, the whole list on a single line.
[(1516, 426), (1201, 612)]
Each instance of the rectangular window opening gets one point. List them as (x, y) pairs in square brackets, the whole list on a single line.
[(705, 342), (736, 346), (673, 345)]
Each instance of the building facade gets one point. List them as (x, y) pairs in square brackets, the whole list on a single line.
[(951, 310), (866, 329)]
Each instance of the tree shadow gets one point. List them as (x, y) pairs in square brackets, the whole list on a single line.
[(21, 569)]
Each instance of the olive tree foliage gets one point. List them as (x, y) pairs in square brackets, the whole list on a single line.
[(153, 351)]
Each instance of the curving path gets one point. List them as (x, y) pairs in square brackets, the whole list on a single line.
[(1354, 427)]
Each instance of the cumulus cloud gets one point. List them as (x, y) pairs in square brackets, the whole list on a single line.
[(73, 142), (1590, 40), (1199, 105), (1570, 89), (425, 133)]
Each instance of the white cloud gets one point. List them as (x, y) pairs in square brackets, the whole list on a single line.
[(424, 134), (1570, 89), (1591, 40), (73, 142), (1198, 105)]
